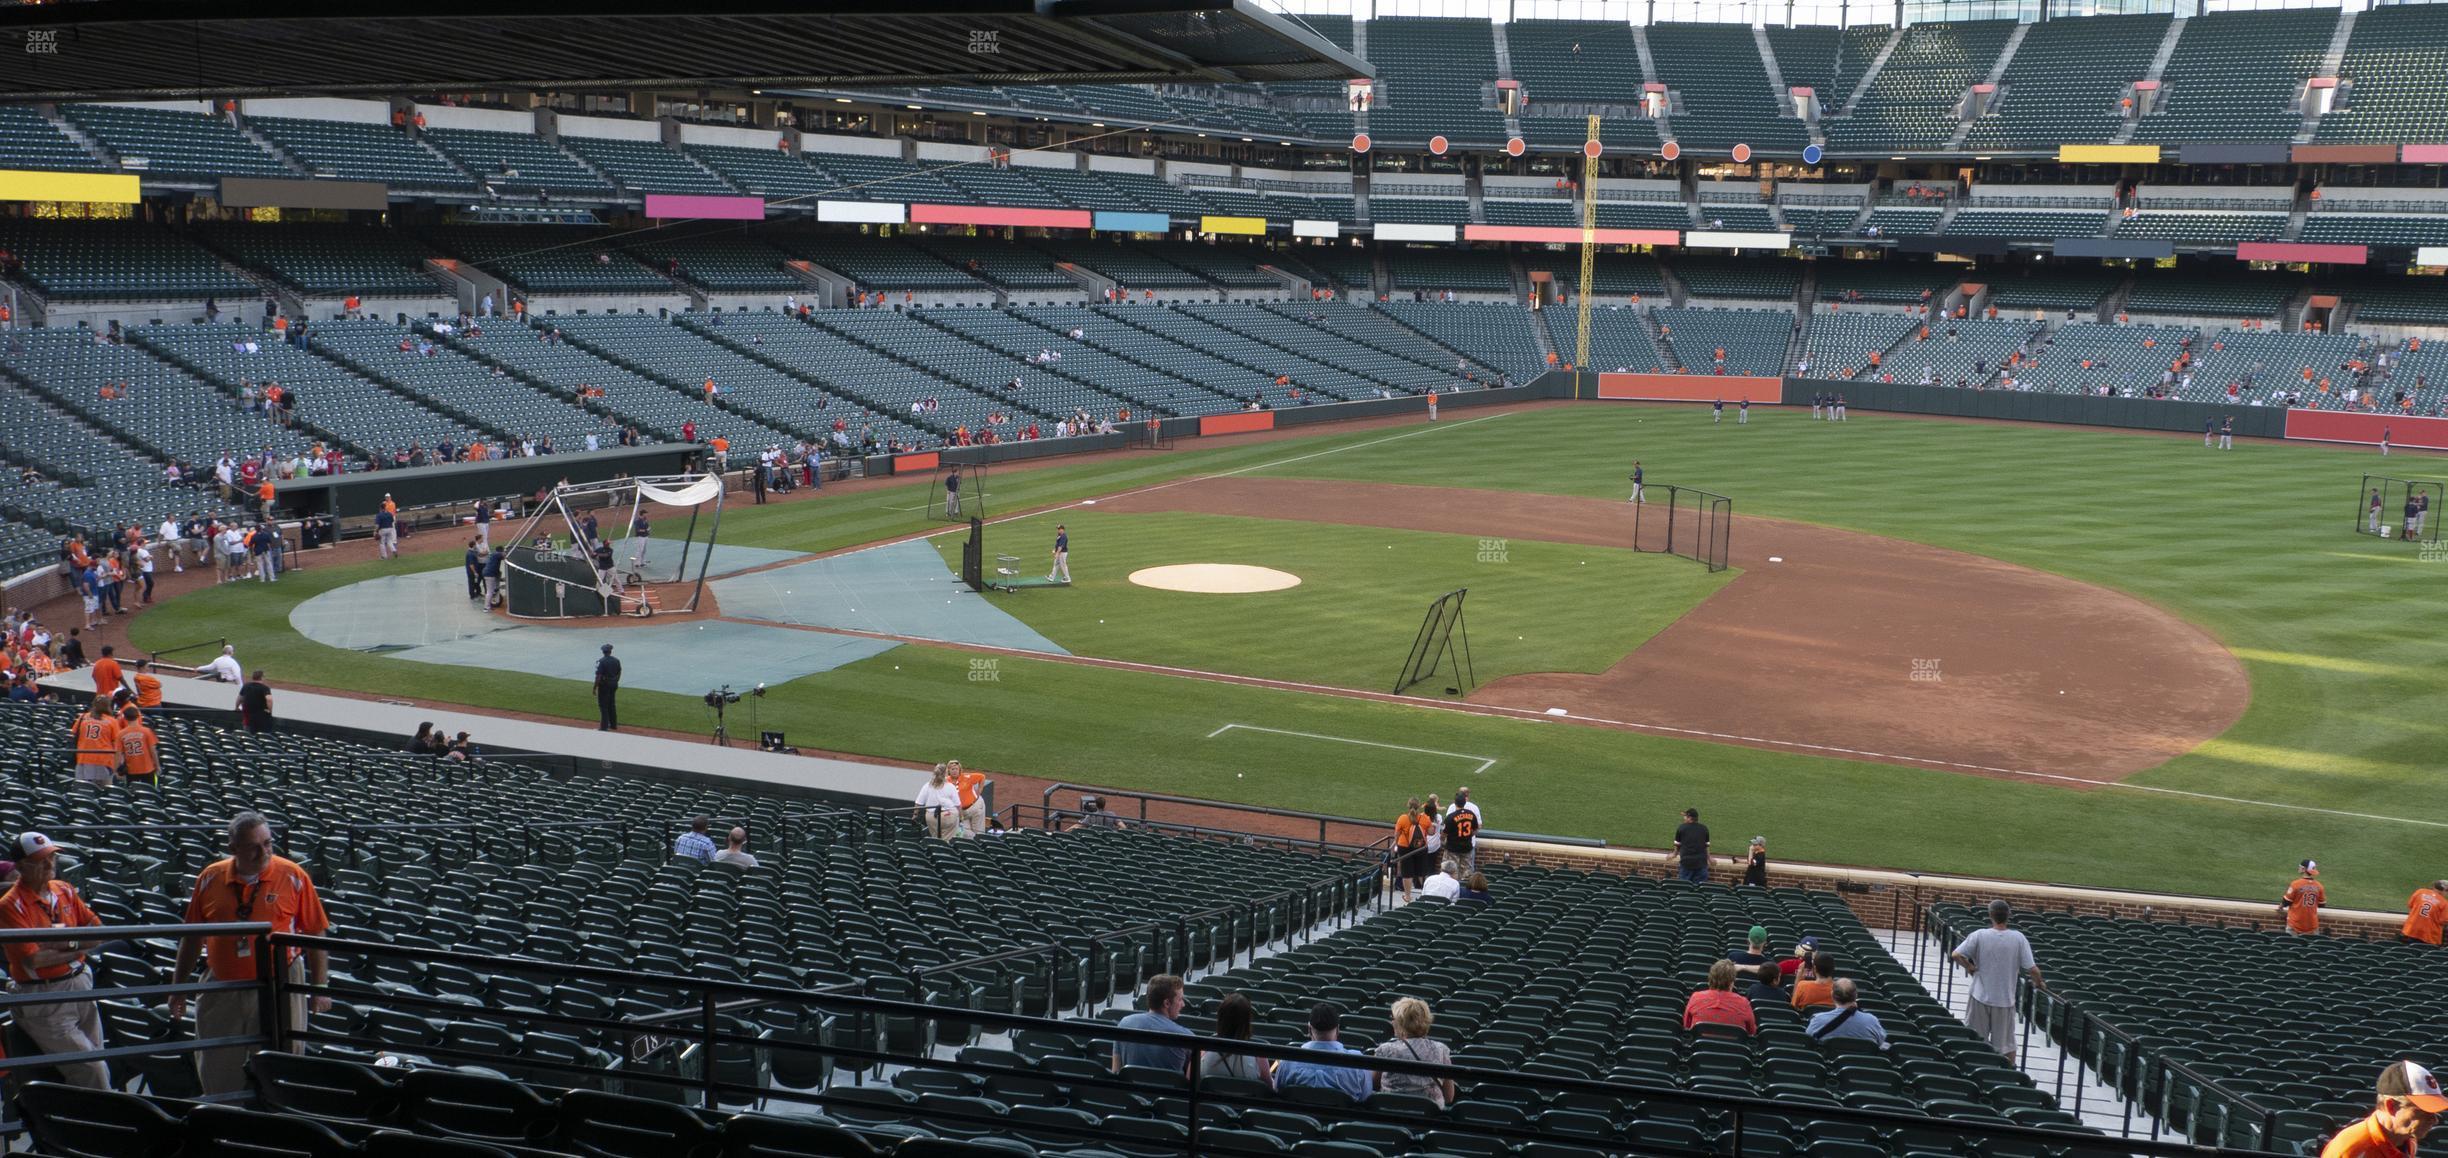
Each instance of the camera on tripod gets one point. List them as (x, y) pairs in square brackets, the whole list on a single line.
[(721, 696)]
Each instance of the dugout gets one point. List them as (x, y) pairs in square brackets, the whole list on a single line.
[(360, 495)]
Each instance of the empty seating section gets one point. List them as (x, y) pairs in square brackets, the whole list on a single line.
[(123, 260), (1087, 191), (1130, 266), (2399, 229), (1736, 278), (357, 151), (89, 482), (1019, 267), (320, 259), (1642, 215), (550, 258), (1338, 266), (865, 177), (874, 263), (1635, 134), (725, 261), (1145, 190), (2235, 76), (869, 377), (330, 399), (1984, 221), (1620, 340), (658, 411), (2400, 299), (1143, 384), (1821, 219), (2397, 63), (1753, 340), (2203, 227), (2056, 289), (2252, 1036), (1321, 107), (1419, 210), (169, 413), (2231, 295), (646, 166), (976, 378), (1375, 330), (986, 185), (683, 358), (1726, 98), (1903, 220), (1967, 352), (1809, 56), (1395, 358), (1307, 374), (1912, 103), (769, 173), (2121, 358), (2065, 81), (1134, 344), (1885, 281), (1739, 216), (458, 384), (1614, 276), (1431, 77), (1840, 344), (1555, 211), (518, 163), (1436, 269), (2268, 361), (28, 141), (1231, 264), (1498, 334), (178, 146), (1589, 62)]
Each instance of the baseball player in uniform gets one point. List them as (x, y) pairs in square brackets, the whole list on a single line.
[(2209, 431), (2227, 433), (1840, 408), (1639, 494), (952, 493), (1062, 555), (2372, 512), (1742, 413), (1717, 412)]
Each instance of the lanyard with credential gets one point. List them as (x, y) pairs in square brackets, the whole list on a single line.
[(245, 894)]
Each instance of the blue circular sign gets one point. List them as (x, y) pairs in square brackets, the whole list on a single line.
[(1811, 154)]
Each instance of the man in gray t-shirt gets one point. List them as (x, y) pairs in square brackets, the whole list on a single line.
[(1995, 957)]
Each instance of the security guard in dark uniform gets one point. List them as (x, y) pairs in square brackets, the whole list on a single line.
[(607, 686)]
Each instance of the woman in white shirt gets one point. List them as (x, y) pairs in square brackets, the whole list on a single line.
[(939, 805)]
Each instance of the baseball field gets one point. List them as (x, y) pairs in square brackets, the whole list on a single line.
[(2049, 653)]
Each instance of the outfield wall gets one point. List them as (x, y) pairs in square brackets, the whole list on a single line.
[(2020, 406)]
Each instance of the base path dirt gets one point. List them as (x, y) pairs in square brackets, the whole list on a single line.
[(1854, 645)]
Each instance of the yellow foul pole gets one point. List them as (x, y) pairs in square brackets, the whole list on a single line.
[(1589, 249)]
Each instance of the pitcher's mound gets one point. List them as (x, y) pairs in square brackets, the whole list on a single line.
[(1214, 578)]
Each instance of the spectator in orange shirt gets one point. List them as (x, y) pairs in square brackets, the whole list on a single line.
[(1816, 986), (42, 901), (2410, 1104), (2303, 900), (250, 885), (148, 685), (2426, 910), (97, 743), (139, 748), (1719, 1004), (972, 802), (107, 678)]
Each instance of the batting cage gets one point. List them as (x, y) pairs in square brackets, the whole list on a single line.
[(1442, 645), (1686, 521), (647, 559), (950, 503), (2398, 508)]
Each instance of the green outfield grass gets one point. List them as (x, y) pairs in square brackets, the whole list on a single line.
[(1533, 606), (2253, 545)]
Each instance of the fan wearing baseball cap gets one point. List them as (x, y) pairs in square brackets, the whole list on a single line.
[(41, 900), (2410, 1104)]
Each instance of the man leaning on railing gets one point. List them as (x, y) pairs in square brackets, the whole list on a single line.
[(251, 884), (41, 900)]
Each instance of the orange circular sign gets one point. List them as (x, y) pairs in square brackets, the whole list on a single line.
[(1360, 142), (1591, 149), (1742, 153), (1670, 150), (1436, 145), (1516, 146)]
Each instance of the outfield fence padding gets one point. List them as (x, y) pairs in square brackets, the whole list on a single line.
[(2022, 406)]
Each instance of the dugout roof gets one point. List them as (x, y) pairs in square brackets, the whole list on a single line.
[(152, 49)]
